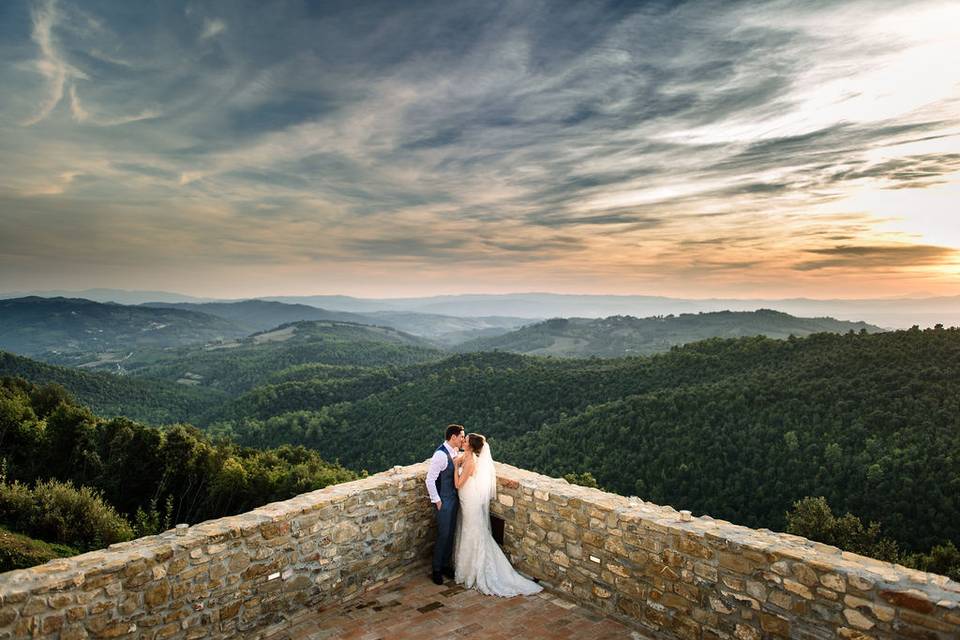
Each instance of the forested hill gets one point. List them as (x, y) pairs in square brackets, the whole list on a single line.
[(625, 335), (152, 401), (72, 331), (246, 363), (260, 315), (736, 428), (70, 477)]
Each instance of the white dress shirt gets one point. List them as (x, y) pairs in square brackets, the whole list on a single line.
[(438, 464)]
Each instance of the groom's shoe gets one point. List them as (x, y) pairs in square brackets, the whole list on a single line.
[(448, 571), (437, 577)]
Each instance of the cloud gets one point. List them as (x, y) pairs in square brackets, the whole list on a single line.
[(212, 28), (877, 257), (909, 172), (51, 63), (614, 139), (636, 221)]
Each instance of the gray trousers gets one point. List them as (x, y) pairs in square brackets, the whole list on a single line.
[(446, 528)]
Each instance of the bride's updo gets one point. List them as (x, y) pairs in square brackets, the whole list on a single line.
[(476, 442)]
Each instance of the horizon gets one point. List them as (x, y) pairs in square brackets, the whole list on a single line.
[(699, 151), (271, 296)]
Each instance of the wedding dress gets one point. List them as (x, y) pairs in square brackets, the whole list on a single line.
[(479, 562)]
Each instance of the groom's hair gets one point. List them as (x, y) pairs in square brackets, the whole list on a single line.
[(453, 429)]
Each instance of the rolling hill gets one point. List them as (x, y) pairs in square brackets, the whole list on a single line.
[(245, 363), (736, 428), (153, 401), (260, 315), (81, 332), (625, 335)]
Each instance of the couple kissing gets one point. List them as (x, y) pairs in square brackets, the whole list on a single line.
[(461, 486)]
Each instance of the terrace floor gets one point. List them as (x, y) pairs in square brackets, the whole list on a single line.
[(415, 608)]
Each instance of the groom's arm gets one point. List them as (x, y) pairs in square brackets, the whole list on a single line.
[(437, 464)]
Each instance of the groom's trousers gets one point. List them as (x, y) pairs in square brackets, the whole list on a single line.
[(446, 527)]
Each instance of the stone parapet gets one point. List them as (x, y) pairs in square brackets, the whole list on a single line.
[(639, 562), (708, 579), (236, 576)]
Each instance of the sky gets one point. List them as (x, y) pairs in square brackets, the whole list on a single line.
[(386, 149)]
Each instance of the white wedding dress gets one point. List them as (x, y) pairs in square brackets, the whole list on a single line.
[(479, 562)]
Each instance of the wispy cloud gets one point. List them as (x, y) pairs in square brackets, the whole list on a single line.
[(51, 64), (877, 257), (714, 146), (212, 28)]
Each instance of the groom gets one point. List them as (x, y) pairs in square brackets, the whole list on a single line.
[(443, 495)]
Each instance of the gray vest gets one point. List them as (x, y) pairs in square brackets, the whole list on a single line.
[(446, 488)]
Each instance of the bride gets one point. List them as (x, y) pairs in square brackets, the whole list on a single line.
[(479, 562)]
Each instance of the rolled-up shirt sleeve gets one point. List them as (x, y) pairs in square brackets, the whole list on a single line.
[(437, 464)]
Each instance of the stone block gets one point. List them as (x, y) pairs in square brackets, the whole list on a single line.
[(744, 632), (909, 599), (834, 582), (928, 622), (736, 563), (799, 589), (879, 611), (156, 596), (7, 616), (692, 547), (73, 632), (34, 606), (804, 574), (116, 630), (775, 625), (857, 619), (706, 571)]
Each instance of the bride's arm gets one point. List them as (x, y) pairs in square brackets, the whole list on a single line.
[(466, 472)]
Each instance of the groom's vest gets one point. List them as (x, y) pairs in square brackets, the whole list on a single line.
[(446, 488)]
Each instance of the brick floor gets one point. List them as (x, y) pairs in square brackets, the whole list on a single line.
[(415, 608)]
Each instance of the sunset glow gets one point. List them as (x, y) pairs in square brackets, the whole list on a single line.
[(389, 149)]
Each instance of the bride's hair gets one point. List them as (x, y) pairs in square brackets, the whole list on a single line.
[(476, 442)]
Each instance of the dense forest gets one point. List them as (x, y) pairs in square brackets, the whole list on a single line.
[(739, 429), (625, 335), (742, 429), (241, 365), (147, 400), (72, 478)]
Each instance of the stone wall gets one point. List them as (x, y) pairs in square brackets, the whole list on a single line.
[(636, 561), (236, 576), (707, 578)]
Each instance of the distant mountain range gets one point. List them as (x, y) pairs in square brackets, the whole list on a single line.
[(68, 330), (128, 338), (625, 335), (260, 315), (901, 312), (888, 313), (120, 296)]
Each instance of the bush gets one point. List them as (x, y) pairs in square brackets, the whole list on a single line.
[(813, 518), (59, 512), (19, 551)]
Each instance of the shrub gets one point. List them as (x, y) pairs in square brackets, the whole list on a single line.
[(59, 512), (19, 551)]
